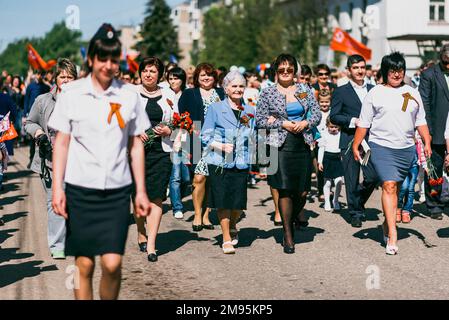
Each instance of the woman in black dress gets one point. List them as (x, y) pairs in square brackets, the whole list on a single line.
[(160, 105), (290, 111)]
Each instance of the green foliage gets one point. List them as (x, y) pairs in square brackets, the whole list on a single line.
[(255, 31), (159, 36), (59, 42)]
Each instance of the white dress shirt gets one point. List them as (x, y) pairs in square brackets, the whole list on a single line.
[(391, 126), (361, 92), (97, 156)]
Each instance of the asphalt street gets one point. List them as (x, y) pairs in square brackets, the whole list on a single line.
[(332, 261)]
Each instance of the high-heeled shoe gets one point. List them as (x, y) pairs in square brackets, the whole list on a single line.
[(287, 249), (197, 228), (143, 247), (152, 257)]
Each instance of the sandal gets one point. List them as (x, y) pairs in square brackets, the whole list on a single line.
[(406, 217), (398, 215), (229, 249)]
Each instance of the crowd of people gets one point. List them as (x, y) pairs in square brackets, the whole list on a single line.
[(106, 140)]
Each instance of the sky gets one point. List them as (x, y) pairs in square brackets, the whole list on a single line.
[(31, 18)]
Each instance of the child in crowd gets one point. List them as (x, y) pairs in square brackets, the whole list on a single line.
[(407, 193), (329, 163), (324, 100)]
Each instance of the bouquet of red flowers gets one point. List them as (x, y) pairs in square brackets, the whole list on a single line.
[(434, 182), (180, 121)]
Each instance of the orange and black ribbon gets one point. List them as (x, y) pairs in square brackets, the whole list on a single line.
[(115, 108)]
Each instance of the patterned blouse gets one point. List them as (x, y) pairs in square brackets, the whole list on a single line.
[(214, 97)]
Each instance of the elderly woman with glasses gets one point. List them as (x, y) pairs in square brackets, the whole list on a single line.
[(290, 111), (392, 112)]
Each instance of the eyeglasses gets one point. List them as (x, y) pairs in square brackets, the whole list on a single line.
[(401, 71), (323, 74), (286, 70)]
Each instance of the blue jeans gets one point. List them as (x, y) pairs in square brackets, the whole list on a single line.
[(180, 175), (407, 193)]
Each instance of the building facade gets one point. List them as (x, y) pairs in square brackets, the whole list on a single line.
[(187, 18), (417, 28)]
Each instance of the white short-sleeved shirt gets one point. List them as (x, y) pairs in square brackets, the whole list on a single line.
[(97, 156), (391, 126)]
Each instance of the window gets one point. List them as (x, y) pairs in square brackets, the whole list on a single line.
[(436, 10)]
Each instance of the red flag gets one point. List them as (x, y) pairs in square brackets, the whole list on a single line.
[(132, 64), (36, 62), (342, 41)]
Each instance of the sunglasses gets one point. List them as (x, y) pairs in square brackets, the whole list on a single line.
[(323, 74), (286, 70)]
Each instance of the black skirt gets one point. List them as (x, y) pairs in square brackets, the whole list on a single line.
[(98, 221), (227, 189), (333, 167), (158, 168), (294, 165)]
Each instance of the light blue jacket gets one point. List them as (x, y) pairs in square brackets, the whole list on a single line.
[(222, 126)]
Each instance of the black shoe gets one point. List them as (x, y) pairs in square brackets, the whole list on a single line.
[(278, 223), (152, 257), (208, 226), (303, 224), (437, 216), (143, 247), (363, 217), (197, 228), (287, 249), (356, 222)]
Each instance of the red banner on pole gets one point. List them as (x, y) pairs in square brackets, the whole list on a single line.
[(133, 66), (36, 62), (342, 41)]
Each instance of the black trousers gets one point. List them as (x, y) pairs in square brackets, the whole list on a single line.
[(434, 204), (357, 193)]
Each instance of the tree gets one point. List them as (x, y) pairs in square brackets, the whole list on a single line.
[(251, 32), (159, 36), (59, 42)]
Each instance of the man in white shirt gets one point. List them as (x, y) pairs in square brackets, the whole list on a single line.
[(345, 110)]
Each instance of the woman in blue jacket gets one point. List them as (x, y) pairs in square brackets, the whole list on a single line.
[(227, 138)]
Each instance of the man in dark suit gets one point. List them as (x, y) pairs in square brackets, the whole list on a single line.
[(345, 111), (434, 91)]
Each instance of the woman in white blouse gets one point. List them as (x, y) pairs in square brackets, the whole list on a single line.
[(391, 112), (98, 120)]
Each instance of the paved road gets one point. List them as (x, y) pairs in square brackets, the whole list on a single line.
[(333, 260)]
